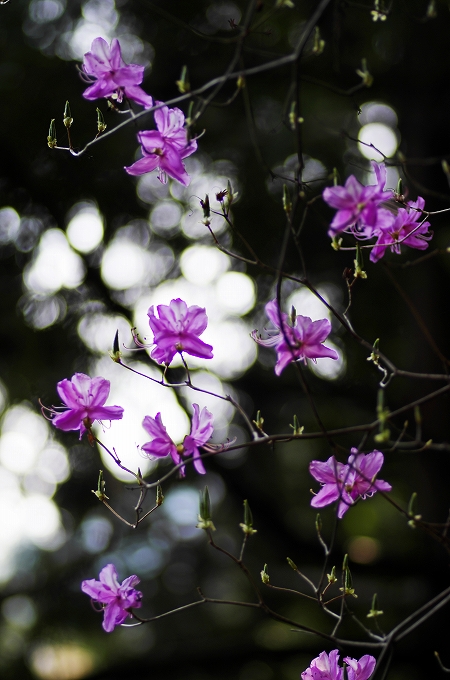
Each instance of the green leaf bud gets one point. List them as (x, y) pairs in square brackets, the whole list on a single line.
[(101, 125), (265, 578), (67, 118), (51, 139), (183, 84), (292, 564)]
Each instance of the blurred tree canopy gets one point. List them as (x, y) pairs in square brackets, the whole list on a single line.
[(380, 64)]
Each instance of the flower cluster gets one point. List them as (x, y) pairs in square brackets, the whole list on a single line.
[(325, 667), (348, 483), (162, 445), (359, 212), (117, 599), (300, 340), (163, 148)]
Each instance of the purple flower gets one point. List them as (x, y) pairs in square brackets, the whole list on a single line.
[(363, 468), (84, 398), (362, 669), (113, 77), (165, 148), (201, 430), (348, 483), (117, 598), (324, 667), (405, 228), (162, 445), (357, 204), (303, 340), (177, 330)]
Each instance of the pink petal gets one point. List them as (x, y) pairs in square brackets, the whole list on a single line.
[(69, 420), (172, 164), (138, 95), (143, 165)]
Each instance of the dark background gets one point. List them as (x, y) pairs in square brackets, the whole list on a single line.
[(407, 54)]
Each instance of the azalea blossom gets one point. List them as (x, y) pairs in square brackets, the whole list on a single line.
[(113, 78), (357, 204), (362, 669), (84, 398), (117, 599), (406, 228), (302, 340), (162, 445), (177, 330), (165, 147), (325, 667), (348, 483)]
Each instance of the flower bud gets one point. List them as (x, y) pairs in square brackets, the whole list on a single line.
[(359, 264), (205, 207), (296, 427), (67, 118), (101, 487), (51, 139), (292, 564), (159, 495), (247, 526), (204, 516), (183, 84), (115, 353), (332, 578), (259, 422), (101, 125), (374, 611), (265, 578)]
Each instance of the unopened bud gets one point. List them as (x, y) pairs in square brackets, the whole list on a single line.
[(374, 611), (240, 83), (296, 427), (292, 564), (247, 526), (115, 353), (51, 139), (259, 422), (265, 578), (359, 272), (101, 487), (183, 84), (159, 495), (101, 125), (205, 207), (204, 516), (67, 119), (332, 577)]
